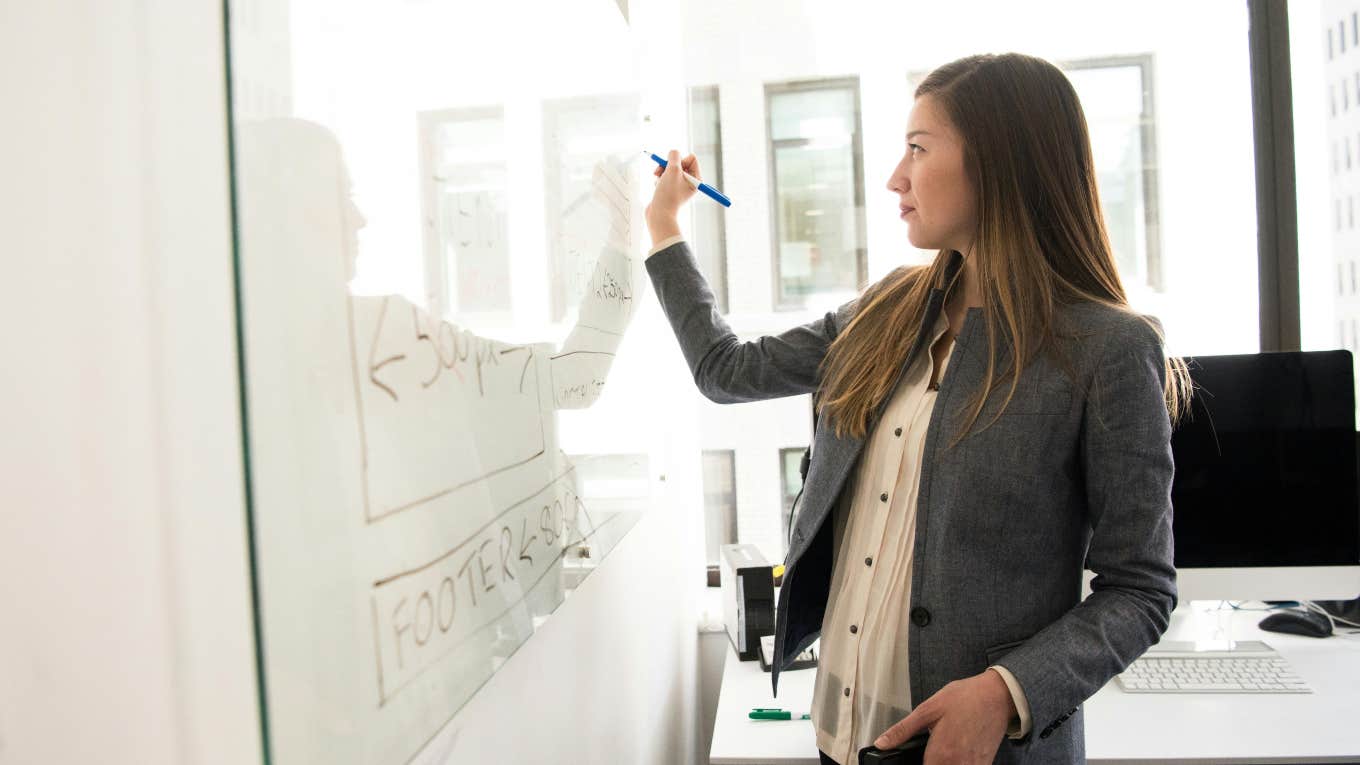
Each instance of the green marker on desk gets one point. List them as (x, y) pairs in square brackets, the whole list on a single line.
[(775, 713)]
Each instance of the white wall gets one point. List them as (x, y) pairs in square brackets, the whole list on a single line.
[(125, 631)]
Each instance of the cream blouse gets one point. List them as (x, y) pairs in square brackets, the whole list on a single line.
[(863, 684)]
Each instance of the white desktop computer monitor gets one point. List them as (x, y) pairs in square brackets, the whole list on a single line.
[(1265, 491)]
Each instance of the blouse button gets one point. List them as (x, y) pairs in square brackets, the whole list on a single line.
[(883, 497), (847, 693), (897, 432), (869, 561), (853, 629)]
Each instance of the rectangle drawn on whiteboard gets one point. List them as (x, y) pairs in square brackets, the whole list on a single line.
[(439, 407), (423, 615)]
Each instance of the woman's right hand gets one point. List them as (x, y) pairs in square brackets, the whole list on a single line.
[(672, 192)]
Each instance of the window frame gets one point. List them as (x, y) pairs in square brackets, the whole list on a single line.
[(1147, 129), (715, 177), (1277, 232), (786, 500), (730, 518), (773, 89)]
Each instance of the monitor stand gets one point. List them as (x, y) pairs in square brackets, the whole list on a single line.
[(1202, 627)]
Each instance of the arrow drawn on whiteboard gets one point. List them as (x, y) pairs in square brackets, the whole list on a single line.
[(373, 366), (524, 542), (528, 358)]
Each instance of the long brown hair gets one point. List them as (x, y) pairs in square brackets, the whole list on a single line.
[(1040, 242)]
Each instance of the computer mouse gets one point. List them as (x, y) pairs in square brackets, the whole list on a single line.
[(1298, 623)]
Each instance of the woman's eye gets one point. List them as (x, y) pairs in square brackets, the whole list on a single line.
[(913, 147)]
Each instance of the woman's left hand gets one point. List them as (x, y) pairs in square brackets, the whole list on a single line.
[(967, 720)]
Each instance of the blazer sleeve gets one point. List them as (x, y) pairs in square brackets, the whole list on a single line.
[(725, 369), (1125, 455)]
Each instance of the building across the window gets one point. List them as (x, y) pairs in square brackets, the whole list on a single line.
[(1341, 126)]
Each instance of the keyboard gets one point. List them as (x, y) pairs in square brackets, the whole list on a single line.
[(1249, 667)]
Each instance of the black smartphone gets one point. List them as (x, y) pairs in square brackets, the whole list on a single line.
[(913, 752)]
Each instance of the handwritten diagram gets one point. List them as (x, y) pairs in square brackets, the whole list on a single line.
[(418, 376), (416, 516)]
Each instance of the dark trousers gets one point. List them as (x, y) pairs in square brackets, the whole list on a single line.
[(826, 760)]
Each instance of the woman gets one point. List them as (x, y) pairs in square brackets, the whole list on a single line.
[(953, 501)]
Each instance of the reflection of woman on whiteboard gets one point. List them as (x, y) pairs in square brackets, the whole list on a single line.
[(989, 424), (437, 405)]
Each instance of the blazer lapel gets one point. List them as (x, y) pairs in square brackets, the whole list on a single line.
[(834, 457), (934, 305)]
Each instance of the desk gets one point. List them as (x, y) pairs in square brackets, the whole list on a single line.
[(1323, 726)]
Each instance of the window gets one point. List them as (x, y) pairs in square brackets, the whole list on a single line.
[(1117, 96), (463, 177), (710, 220), (720, 501), (816, 166), (791, 481)]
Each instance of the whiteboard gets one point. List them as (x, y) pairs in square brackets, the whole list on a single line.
[(437, 257)]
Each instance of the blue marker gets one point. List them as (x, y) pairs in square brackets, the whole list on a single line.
[(696, 183)]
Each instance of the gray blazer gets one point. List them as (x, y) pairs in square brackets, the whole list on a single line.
[(1071, 476)]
